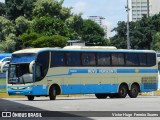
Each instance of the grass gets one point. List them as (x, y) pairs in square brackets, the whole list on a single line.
[(2, 81), (3, 91)]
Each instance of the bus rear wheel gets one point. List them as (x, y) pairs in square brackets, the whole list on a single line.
[(52, 93), (101, 96), (30, 97), (122, 93), (133, 93)]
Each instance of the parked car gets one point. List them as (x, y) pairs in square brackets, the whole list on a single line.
[(4, 64)]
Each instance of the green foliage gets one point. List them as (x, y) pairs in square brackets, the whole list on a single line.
[(22, 25), (119, 40), (50, 41), (142, 33), (16, 8), (9, 44), (39, 40), (51, 8), (44, 23), (27, 39), (2, 9), (50, 26), (6, 27), (75, 24), (156, 45), (92, 33)]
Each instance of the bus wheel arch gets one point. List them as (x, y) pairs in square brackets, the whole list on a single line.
[(53, 91), (134, 90), (123, 90)]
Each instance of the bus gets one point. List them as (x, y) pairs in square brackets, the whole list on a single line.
[(103, 71)]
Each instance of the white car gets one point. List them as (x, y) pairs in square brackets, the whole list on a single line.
[(4, 63)]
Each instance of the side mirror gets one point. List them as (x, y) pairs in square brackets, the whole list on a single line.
[(31, 66)]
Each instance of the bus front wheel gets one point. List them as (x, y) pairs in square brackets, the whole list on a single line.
[(133, 93), (52, 93), (101, 96), (30, 97)]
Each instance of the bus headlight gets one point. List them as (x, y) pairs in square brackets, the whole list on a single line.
[(29, 87)]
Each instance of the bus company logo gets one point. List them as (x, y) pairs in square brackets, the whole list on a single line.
[(6, 114), (136, 71)]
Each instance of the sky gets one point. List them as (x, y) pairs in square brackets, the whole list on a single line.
[(112, 10)]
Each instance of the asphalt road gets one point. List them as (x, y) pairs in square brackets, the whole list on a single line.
[(83, 104)]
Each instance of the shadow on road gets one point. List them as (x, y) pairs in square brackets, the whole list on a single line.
[(11, 106)]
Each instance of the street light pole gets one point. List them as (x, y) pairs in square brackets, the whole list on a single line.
[(128, 38)]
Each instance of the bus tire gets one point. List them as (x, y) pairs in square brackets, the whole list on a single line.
[(101, 96), (52, 92), (30, 97), (122, 92), (133, 93)]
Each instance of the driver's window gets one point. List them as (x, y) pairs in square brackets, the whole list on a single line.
[(38, 71)]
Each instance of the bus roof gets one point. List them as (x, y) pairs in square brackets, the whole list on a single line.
[(89, 49)]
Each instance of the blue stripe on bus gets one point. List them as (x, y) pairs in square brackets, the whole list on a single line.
[(100, 88), (137, 70), (97, 71), (79, 89), (89, 88)]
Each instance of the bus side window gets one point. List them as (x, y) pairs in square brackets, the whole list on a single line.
[(142, 59), (151, 59), (57, 59), (132, 59), (103, 59), (73, 59), (118, 59), (38, 71), (43, 61), (159, 66), (88, 59)]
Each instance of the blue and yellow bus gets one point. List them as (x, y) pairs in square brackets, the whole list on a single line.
[(103, 71)]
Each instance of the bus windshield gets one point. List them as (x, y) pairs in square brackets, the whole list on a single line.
[(19, 68), (19, 74), (23, 58)]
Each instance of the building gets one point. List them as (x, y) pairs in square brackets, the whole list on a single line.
[(139, 8), (101, 21)]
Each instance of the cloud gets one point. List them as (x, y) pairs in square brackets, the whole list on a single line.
[(2, 1), (80, 7)]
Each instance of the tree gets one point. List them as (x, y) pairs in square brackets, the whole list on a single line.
[(9, 44), (51, 8), (75, 24), (156, 45), (22, 25), (141, 34), (48, 25), (92, 33), (25, 40), (6, 27), (2, 9), (50, 41), (16, 8), (39, 40), (120, 39)]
